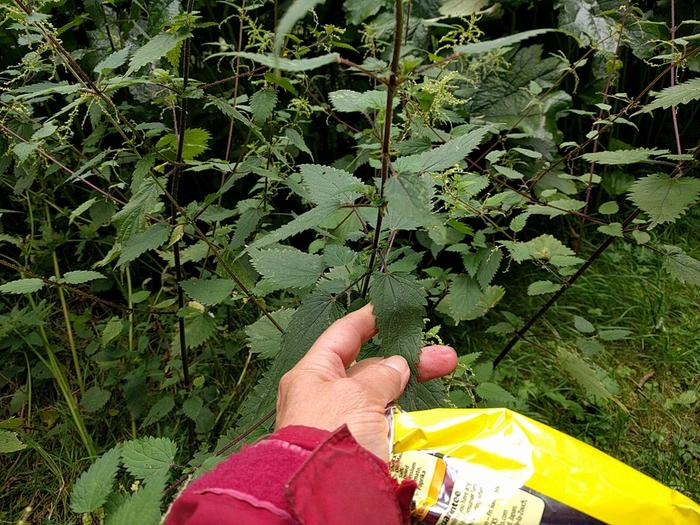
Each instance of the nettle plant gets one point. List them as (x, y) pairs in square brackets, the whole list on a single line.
[(190, 204)]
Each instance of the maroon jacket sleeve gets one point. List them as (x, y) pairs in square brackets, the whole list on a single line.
[(297, 476)]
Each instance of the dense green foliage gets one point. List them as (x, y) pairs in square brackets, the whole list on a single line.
[(193, 193)]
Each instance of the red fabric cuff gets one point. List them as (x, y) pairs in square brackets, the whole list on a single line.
[(299, 475)]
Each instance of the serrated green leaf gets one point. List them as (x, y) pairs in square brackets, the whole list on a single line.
[(328, 185), (142, 507), (498, 43), (588, 377), (9, 442), (508, 173), (316, 313), (623, 156), (614, 229), (664, 198), (348, 101), (287, 267), (676, 95), (519, 221), (155, 49), (262, 103), (286, 64), (148, 458), (264, 338), (81, 276), (295, 138), (112, 61), (94, 399), (81, 209), (195, 142), (305, 221), (399, 307), (132, 218), (488, 267), (462, 298), (22, 286), (444, 156), (409, 202), (681, 266), (95, 484), (209, 291), (140, 243), (462, 7), (111, 330), (495, 394), (159, 410), (542, 287)]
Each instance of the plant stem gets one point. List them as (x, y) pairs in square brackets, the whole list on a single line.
[(386, 139), (674, 110), (174, 189)]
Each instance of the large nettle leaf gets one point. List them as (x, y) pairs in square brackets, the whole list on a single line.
[(399, 307), (409, 202), (664, 198), (326, 185), (316, 313), (95, 484), (286, 267)]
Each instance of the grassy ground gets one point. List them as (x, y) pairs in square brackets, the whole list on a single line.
[(652, 423)]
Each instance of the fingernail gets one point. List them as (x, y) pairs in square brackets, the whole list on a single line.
[(399, 364)]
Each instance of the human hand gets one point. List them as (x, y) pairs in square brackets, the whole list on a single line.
[(322, 392)]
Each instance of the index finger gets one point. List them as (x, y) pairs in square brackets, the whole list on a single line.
[(341, 342)]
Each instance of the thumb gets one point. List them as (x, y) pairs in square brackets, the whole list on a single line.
[(384, 381)]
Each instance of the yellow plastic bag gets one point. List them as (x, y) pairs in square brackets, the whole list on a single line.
[(497, 467)]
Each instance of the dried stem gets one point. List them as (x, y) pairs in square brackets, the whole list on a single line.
[(674, 110)]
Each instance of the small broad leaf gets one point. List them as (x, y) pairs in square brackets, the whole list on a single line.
[(159, 410), (614, 229), (286, 268), (462, 7), (295, 138), (682, 266), (347, 101), (664, 198), (608, 208), (22, 286), (445, 156), (262, 103), (583, 325), (614, 334), (542, 287), (85, 206), (81, 276), (9, 442), (140, 243), (286, 64), (95, 484), (208, 291), (94, 399), (148, 458), (676, 95), (623, 156), (155, 49), (488, 267), (641, 237), (264, 338)]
